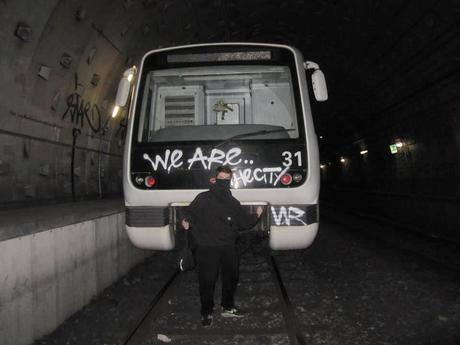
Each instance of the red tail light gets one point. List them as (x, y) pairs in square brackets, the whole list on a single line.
[(286, 179), (150, 181)]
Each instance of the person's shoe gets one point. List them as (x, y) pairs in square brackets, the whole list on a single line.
[(231, 312), (206, 320)]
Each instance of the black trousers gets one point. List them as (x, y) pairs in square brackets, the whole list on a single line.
[(211, 260)]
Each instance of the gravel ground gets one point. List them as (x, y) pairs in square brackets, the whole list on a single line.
[(352, 290), (348, 288)]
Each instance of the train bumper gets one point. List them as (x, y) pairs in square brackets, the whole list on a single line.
[(292, 237), (289, 226), (293, 226), (153, 238), (150, 227)]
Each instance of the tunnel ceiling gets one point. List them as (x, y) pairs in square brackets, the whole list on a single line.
[(391, 66), (375, 54)]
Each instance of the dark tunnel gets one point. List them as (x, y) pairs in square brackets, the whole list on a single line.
[(388, 135)]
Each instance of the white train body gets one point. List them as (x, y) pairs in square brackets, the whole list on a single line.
[(196, 107)]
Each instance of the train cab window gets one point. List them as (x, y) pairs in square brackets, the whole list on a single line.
[(216, 102)]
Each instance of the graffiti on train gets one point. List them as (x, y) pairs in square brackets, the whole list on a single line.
[(286, 216), (175, 159), (267, 175)]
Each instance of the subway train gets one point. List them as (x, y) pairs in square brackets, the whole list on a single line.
[(246, 105)]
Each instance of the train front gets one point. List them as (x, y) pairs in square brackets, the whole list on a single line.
[(242, 105)]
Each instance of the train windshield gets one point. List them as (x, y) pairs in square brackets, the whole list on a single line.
[(215, 103)]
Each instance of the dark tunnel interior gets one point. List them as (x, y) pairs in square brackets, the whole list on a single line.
[(391, 69), (389, 147)]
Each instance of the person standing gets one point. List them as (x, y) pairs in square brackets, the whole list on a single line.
[(215, 218)]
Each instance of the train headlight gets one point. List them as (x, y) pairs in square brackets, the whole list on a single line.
[(139, 180), (150, 181), (286, 179), (297, 177)]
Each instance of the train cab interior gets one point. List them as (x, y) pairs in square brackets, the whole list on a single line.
[(214, 103)]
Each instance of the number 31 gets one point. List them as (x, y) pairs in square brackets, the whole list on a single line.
[(288, 158)]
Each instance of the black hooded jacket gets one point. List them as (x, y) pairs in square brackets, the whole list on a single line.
[(216, 217)]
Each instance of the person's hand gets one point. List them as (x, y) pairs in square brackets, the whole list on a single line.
[(259, 211), (185, 224)]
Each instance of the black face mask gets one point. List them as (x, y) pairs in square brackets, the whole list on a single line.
[(223, 183)]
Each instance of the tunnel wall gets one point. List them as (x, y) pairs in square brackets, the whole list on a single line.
[(47, 276), (408, 92), (417, 187), (60, 63)]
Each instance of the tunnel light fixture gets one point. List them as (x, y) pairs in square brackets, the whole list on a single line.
[(322, 166), (342, 159), (398, 144), (116, 110), (363, 152)]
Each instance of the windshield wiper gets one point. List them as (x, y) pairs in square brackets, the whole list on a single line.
[(250, 134)]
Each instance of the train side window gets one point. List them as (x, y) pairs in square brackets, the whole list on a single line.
[(273, 104), (144, 119)]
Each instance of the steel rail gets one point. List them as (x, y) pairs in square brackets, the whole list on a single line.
[(294, 333), (156, 299)]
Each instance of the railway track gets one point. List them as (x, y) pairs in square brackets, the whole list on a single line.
[(173, 314)]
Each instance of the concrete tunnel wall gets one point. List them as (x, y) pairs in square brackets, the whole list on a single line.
[(49, 275), (60, 63), (58, 74)]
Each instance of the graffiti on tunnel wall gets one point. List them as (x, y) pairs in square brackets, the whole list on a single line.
[(80, 111)]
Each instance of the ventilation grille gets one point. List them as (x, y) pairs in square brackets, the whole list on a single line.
[(146, 216), (179, 111)]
